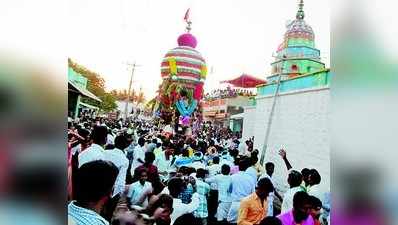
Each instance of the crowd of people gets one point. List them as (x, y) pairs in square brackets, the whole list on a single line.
[(228, 93), (136, 173)]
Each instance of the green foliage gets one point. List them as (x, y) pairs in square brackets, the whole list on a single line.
[(121, 95), (108, 103), (96, 85), (140, 97)]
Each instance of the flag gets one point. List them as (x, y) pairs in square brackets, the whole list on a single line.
[(186, 17), (281, 47)]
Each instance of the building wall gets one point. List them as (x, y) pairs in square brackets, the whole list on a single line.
[(240, 101), (132, 105), (249, 119), (300, 126)]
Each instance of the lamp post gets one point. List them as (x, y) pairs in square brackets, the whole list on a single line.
[(270, 117), (129, 89)]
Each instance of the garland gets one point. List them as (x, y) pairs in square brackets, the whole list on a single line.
[(183, 109)]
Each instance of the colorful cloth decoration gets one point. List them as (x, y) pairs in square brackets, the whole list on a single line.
[(186, 63), (183, 70), (173, 66), (186, 110), (203, 72), (185, 120), (197, 94), (187, 39)]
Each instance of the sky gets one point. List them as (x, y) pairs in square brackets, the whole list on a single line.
[(233, 36)]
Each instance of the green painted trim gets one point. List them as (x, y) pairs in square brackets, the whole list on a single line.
[(288, 59), (310, 80), (293, 78)]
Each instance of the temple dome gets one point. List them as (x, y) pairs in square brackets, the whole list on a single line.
[(298, 28)]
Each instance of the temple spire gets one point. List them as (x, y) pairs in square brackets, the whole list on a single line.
[(188, 21), (300, 12), (188, 27)]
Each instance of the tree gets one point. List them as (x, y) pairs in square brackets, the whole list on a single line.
[(108, 103), (114, 93), (96, 85), (123, 95), (133, 96), (140, 97)]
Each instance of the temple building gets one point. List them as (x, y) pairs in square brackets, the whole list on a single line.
[(291, 110)]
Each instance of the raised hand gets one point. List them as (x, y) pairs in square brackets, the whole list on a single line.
[(282, 153)]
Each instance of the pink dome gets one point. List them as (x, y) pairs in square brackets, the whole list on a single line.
[(187, 39)]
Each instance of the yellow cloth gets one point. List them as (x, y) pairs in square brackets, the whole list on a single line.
[(203, 72), (173, 66), (190, 151), (251, 211)]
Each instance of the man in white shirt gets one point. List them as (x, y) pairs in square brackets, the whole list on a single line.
[(175, 187), (110, 139), (118, 157), (315, 189), (215, 168), (226, 159), (96, 150), (222, 183), (139, 191), (163, 163), (294, 180), (243, 148), (138, 155), (84, 141), (314, 179), (269, 168), (242, 185), (94, 186)]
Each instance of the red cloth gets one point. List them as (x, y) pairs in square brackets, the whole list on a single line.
[(245, 81)]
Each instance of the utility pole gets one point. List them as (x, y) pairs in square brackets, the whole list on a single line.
[(129, 89), (270, 117)]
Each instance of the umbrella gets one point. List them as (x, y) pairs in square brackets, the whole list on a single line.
[(245, 81)]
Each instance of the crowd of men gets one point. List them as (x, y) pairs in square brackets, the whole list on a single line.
[(135, 173), (228, 93)]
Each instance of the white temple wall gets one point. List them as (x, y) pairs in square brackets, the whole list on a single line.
[(249, 119), (300, 125)]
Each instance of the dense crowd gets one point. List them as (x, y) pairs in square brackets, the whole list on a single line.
[(228, 93), (136, 173)]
